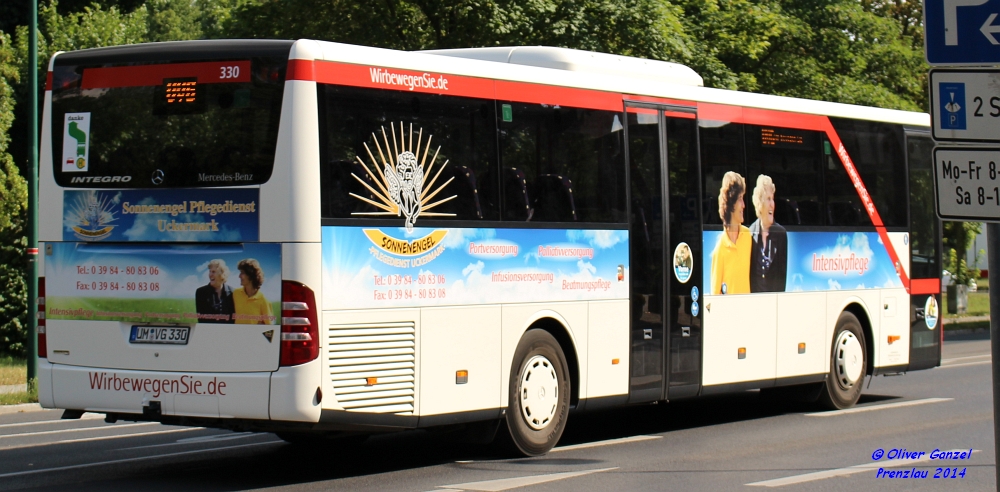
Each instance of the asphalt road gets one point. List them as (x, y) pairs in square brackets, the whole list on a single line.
[(734, 442)]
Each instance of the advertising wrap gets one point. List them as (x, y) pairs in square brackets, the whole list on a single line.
[(183, 215), (164, 284), (799, 261), (393, 267)]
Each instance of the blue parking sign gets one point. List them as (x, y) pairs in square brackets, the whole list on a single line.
[(952, 101)]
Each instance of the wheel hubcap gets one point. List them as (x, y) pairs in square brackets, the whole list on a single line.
[(850, 359), (539, 392)]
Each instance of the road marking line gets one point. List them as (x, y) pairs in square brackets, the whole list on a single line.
[(102, 438), (65, 431), (199, 439), (839, 472), (86, 416), (128, 460), (510, 483), (945, 361), (878, 407), (609, 442), (966, 364)]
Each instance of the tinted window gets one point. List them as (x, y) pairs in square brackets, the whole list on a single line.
[(370, 139), (924, 224), (877, 152), (721, 152), (793, 159), (561, 164), (123, 122)]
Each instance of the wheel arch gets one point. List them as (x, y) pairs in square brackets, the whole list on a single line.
[(856, 308), (557, 327)]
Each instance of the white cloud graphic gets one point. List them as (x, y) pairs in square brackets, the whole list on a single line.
[(833, 284)]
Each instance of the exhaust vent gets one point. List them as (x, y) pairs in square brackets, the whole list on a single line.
[(372, 366)]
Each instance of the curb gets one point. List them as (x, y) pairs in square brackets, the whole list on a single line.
[(22, 408)]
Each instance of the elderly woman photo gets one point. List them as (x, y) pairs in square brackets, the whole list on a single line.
[(769, 256), (252, 308), (214, 301), (731, 257)]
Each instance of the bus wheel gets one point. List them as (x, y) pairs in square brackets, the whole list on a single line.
[(848, 365), (539, 394)]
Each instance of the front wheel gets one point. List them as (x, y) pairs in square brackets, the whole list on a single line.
[(538, 403), (848, 365)]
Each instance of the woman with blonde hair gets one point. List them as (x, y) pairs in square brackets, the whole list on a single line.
[(731, 257), (769, 255)]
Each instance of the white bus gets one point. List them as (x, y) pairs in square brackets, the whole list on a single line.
[(317, 239)]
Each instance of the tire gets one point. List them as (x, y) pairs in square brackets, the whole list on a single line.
[(848, 365), (535, 416)]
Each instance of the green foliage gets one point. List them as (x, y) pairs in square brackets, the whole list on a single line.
[(956, 238), (13, 210), (646, 28)]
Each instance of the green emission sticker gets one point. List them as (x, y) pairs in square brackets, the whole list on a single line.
[(507, 112)]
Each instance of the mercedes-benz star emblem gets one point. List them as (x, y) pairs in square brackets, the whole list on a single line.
[(157, 177)]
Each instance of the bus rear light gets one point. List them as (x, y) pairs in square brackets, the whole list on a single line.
[(42, 345), (299, 324)]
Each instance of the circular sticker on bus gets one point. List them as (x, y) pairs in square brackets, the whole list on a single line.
[(695, 293), (931, 312), (683, 263), (695, 309)]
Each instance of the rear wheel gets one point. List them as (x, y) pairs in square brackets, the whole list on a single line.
[(848, 364), (538, 403)]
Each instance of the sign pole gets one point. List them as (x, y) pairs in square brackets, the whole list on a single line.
[(32, 272), (993, 238)]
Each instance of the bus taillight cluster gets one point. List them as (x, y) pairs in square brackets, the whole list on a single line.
[(299, 324)]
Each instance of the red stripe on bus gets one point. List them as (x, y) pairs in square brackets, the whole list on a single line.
[(925, 286), (558, 96), (301, 70), (658, 100), (148, 75), (48, 81), (401, 80), (866, 200)]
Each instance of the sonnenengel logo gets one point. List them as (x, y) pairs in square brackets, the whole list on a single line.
[(424, 81)]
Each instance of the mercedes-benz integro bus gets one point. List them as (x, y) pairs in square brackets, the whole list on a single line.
[(315, 239)]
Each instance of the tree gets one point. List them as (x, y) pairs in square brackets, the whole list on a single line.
[(645, 28), (13, 208)]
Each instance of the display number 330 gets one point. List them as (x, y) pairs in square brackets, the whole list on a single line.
[(229, 72)]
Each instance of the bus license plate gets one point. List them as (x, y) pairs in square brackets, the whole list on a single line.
[(160, 334)]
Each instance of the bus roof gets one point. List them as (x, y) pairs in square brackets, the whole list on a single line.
[(486, 63)]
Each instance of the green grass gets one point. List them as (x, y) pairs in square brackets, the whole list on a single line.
[(15, 371), (30, 396), (979, 305)]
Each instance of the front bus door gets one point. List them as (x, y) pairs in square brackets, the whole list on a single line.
[(665, 264)]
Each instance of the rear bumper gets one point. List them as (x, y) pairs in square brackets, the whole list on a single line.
[(213, 395)]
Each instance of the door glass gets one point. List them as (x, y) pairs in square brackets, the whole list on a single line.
[(646, 249), (684, 253)]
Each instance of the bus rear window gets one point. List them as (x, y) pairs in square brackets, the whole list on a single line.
[(169, 124)]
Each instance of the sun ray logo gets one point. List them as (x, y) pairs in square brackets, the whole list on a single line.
[(401, 178), (93, 214)]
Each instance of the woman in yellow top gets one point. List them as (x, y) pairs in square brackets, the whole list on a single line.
[(731, 257), (252, 307)]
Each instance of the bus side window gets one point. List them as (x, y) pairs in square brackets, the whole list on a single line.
[(451, 139), (793, 159), (721, 152), (878, 154), (561, 164)]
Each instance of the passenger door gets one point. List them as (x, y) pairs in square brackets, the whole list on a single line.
[(665, 258)]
